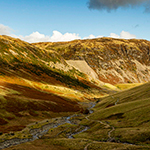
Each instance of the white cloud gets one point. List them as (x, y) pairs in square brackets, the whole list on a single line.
[(92, 37), (113, 35), (123, 35), (127, 35), (35, 37), (57, 36), (5, 30)]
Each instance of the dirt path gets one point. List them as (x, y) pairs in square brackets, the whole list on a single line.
[(106, 125), (86, 147), (110, 139)]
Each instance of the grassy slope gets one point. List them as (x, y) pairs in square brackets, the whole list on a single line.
[(23, 71), (36, 84), (21, 59), (129, 118), (127, 85), (73, 144)]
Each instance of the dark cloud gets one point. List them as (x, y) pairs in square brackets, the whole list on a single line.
[(115, 4)]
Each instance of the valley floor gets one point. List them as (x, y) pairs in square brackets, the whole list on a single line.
[(66, 133)]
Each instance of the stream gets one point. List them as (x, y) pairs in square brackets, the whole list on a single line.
[(37, 133)]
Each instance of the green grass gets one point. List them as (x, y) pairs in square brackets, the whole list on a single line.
[(74, 144), (136, 93), (125, 86), (130, 117)]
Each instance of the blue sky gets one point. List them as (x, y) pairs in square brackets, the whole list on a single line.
[(54, 20)]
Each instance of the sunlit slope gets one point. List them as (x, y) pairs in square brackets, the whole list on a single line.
[(123, 117), (113, 60), (21, 59), (27, 80), (36, 84), (125, 86)]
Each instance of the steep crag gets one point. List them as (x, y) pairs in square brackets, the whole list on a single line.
[(113, 60)]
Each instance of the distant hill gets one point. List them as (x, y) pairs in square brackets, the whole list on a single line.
[(113, 60)]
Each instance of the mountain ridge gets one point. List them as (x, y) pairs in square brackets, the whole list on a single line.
[(113, 60)]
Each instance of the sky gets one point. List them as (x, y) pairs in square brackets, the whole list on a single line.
[(66, 20)]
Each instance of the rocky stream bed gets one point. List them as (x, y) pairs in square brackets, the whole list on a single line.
[(37, 133)]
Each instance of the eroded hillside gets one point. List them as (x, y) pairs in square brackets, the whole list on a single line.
[(113, 60)]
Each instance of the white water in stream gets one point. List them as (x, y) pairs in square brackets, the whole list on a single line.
[(39, 132)]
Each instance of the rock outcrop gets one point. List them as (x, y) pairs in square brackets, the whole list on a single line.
[(113, 60)]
